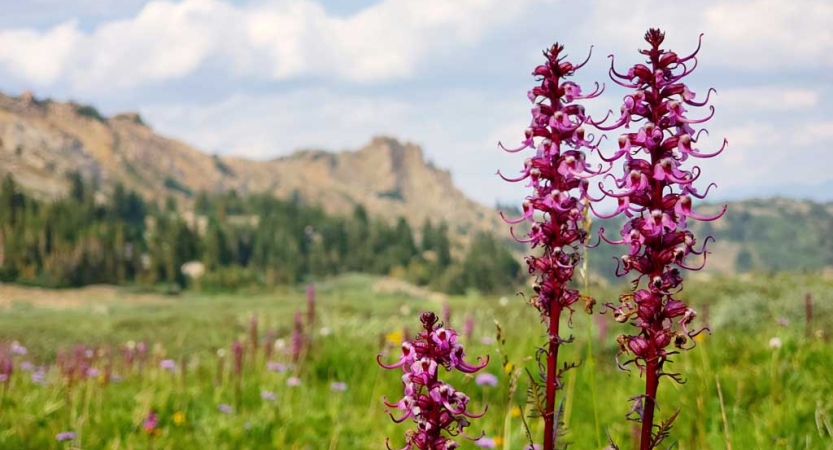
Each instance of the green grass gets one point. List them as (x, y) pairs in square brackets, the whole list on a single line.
[(773, 398)]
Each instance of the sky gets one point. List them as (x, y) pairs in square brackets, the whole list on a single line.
[(264, 78)]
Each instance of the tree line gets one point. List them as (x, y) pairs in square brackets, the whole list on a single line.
[(226, 241)]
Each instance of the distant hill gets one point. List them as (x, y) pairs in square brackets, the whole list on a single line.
[(41, 141), (761, 235)]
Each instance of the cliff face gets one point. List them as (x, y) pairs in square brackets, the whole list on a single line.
[(42, 141)]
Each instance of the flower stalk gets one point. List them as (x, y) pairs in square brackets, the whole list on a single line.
[(655, 195), (253, 337), (438, 409), (298, 338), (558, 175), (310, 305)]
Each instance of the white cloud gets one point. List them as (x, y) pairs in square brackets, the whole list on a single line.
[(768, 155), (262, 127), (272, 40), (754, 34), (771, 98), (818, 134), (766, 32), (39, 57), (164, 41)]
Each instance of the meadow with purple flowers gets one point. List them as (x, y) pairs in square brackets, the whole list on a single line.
[(239, 371), (245, 321)]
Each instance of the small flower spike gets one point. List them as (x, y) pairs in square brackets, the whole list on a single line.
[(435, 406)]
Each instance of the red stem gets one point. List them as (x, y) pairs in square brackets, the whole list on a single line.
[(552, 375), (651, 384)]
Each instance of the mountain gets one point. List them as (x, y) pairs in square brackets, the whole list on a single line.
[(41, 141)]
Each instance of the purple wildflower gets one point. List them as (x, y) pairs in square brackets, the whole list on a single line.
[(168, 364), (468, 327), (27, 366), (268, 395), (150, 423), (142, 350), (338, 386), (65, 436), (39, 376), (273, 366), (485, 379), (6, 368), (655, 194), (434, 405), (225, 408), (92, 372), (485, 442), (293, 381), (558, 174), (18, 349)]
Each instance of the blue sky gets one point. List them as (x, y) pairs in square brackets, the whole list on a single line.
[(263, 78)]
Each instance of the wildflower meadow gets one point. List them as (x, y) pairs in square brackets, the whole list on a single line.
[(152, 374), (440, 346)]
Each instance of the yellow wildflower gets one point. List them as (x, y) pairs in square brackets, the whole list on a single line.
[(515, 412), (395, 337), (179, 418), (498, 440)]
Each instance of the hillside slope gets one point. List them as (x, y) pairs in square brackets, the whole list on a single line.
[(42, 141), (761, 235)]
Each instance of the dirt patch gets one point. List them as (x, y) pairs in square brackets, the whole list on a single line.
[(393, 286), (72, 298)]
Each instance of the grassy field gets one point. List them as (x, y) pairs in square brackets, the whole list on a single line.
[(760, 381)]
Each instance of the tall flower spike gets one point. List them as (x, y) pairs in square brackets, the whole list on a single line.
[(298, 339), (432, 404), (310, 305), (237, 352), (654, 194), (557, 174), (253, 335)]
